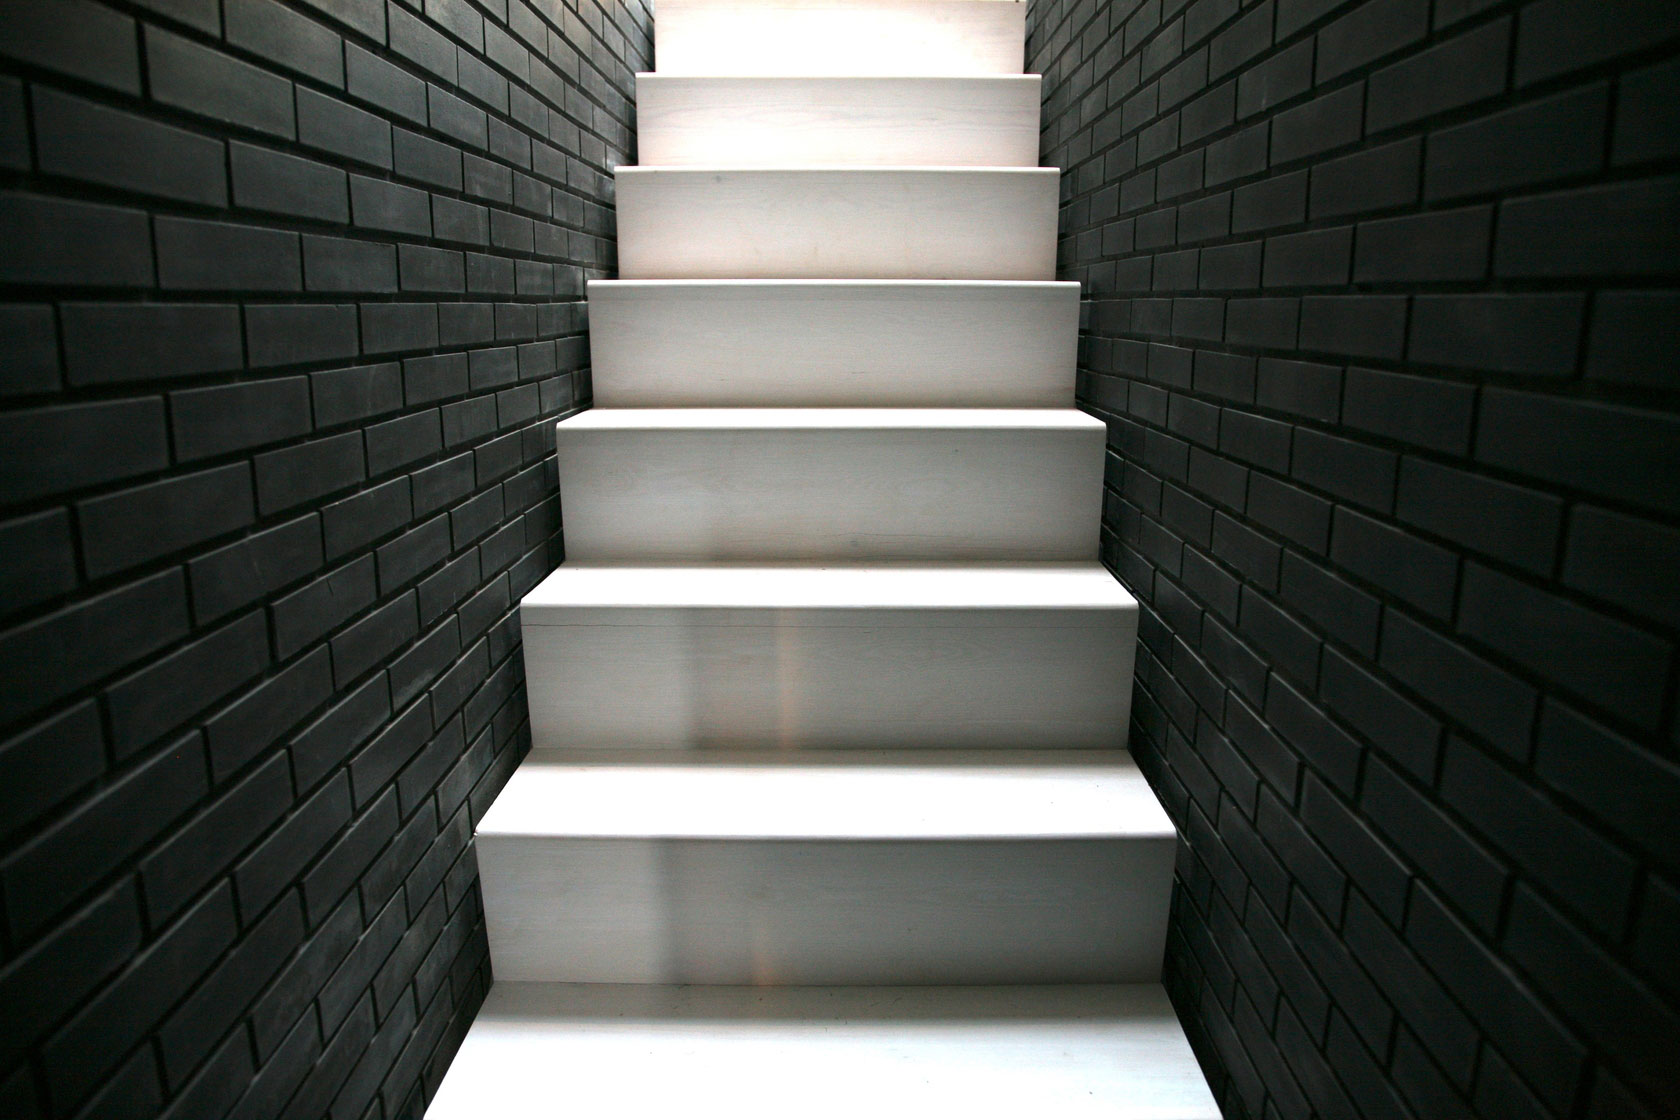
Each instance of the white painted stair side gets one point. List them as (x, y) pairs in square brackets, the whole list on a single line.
[(558, 1051), (769, 122), (827, 343), (906, 867), (762, 484), (890, 223), (801, 657), (812, 37)]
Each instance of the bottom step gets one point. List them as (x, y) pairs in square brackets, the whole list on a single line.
[(632, 1052)]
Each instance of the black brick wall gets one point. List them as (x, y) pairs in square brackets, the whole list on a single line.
[(1383, 317), (290, 297)]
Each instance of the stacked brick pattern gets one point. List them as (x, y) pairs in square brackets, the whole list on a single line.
[(292, 296), (1382, 314)]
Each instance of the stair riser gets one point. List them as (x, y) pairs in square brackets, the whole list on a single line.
[(825, 912), (727, 122), (842, 679), (827, 224), (853, 37), (812, 345), (656, 495)]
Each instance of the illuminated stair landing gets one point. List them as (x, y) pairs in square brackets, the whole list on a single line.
[(829, 812)]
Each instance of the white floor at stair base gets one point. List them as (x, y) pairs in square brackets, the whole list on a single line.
[(678, 485), (840, 37), (907, 223), (903, 867), (770, 122), (788, 657), (555, 1052), (815, 343)]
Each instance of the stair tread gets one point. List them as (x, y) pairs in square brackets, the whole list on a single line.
[(785, 419), (637, 1051), (828, 795), (1037, 585)]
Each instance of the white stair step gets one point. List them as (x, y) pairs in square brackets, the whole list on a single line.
[(830, 484), (762, 121), (840, 37), (824, 343), (554, 1051), (890, 223), (887, 656), (903, 867)]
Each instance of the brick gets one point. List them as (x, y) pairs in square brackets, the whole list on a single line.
[(91, 1043), (83, 140), (379, 762), (1328, 121), (390, 207), (1332, 752), (281, 35), (275, 863), (1443, 245), (46, 763), (1646, 121), (1457, 72), (1623, 786), (433, 378), (1291, 647), (1621, 560), (1549, 139), (1510, 523), (188, 76), (1628, 341), (1345, 468), (1557, 36), (1301, 388), (55, 241), (159, 697), (366, 16), (247, 414), (1255, 439), (427, 269), (1373, 179), (1234, 156), (344, 130), (41, 985), (442, 483), (1484, 698), (28, 349), (1371, 31), (115, 342), (1534, 334), (14, 127), (405, 440), (1317, 258), (373, 80), (1279, 78), (78, 38), (345, 862), (250, 725), (306, 471), (1280, 200), (1426, 412), (287, 184), (355, 393), (1340, 609), (195, 254), (1626, 229), (1615, 665), (241, 573), (320, 606), (122, 530), (1616, 1012), (413, 553), (47, 874), (456, 118), (1290, 511), (319, 748), (1419, 573), (388, 327), (340, 264), (355, 522), (292, 334), (1361, 326), (1609, 450), (419, 157), (53, 450), (1242, 41)]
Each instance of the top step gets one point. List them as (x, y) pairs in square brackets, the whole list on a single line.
[(812, 38)]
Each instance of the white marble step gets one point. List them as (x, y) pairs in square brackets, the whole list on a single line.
[(788, 657), (889, 223), (750, 122), (769, 484), (558, 1051), (832, 343), (860, 867), (840, 37)]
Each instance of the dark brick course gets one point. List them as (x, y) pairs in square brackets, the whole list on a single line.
[(275, 468), (1407, 676)]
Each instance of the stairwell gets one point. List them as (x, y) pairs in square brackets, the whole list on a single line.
[(828, 809)]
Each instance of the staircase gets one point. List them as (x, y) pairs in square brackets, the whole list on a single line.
[(827, 811)]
